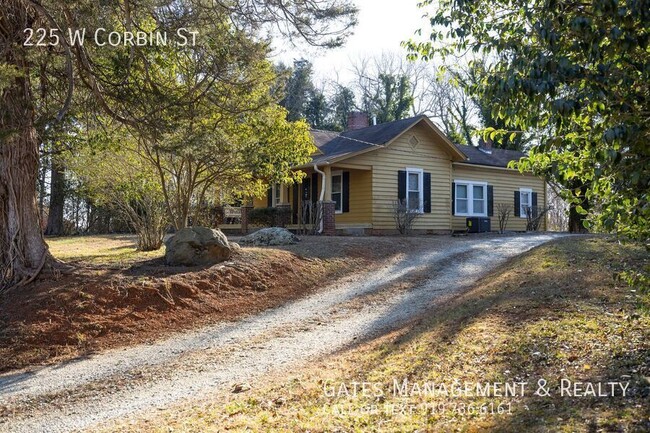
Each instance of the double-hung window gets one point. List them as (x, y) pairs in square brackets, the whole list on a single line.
[(414, 189), (525, 201), (337, 191), (470, 198), (276, 194)]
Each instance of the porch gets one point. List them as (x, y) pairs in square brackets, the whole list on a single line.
[(348, 187)]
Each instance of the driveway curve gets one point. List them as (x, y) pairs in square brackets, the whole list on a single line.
[(118, 384)]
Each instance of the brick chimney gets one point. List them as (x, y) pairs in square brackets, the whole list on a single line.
[(485, 145), (357, 120)]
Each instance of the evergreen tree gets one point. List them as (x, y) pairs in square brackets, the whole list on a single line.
[(342, 105), (298, 88)]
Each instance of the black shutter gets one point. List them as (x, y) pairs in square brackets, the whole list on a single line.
[(453, 198), (314, 187), (490, 197), (427, 192), (269, 197), (534, 204), (346, 191), (401, 185), (517, 204)]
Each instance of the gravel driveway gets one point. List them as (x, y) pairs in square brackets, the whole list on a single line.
[(121, 383)]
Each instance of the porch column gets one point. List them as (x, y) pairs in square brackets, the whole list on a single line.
[(328, 183), (329, 217)]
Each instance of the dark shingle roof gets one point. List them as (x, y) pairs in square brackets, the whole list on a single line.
[(338, 145), (334, 145), (498, 157), (323, 137)]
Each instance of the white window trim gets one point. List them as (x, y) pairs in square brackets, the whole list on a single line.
[(521, 203), (470, 198), (275, 195), (334, 174), (420, 173)]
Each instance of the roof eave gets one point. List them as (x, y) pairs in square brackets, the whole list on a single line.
[(475, 164), (454, 150), (336, 159)]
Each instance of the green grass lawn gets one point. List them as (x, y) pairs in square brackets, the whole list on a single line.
[(554, 313), (100, 249)]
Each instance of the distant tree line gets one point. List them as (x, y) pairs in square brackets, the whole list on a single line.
[(389, 87)]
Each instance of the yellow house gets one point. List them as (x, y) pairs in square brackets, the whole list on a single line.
[(367, 169)]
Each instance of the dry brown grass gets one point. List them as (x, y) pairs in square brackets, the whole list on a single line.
[(555, 312)]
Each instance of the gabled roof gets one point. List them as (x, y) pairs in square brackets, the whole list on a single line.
[(333, 146), (497, 157)]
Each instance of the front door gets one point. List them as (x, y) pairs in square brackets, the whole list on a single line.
[(305, 199)]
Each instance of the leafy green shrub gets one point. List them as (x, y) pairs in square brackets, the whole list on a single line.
[(270, 216)]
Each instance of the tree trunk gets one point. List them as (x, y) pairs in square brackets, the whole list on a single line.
[(57, 200), (467, 132), (577, 220), (42, 186), (150, 237), (23, 251)]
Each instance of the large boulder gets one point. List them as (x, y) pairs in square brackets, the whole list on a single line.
[(270, 236), (194, 246)]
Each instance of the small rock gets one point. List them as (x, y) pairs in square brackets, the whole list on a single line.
[(259, 286), (240, 387), (280, 401)]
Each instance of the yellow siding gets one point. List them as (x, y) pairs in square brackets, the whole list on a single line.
[(360, 197), (504, 183), (260, 202), (430, 156), (264, 200), (373, 192)]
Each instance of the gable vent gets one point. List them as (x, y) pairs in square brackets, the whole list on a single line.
[(413, 142)]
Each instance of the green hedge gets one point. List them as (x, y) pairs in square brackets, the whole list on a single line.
[(270, 216)]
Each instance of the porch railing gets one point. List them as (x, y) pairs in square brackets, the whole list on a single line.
[(231, 214)]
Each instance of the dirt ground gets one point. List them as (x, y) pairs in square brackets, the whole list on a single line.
[(380, 295), (554, 313), (117, 297)]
